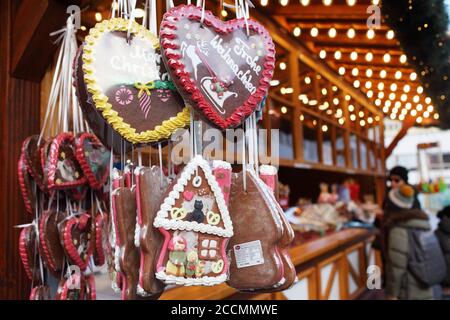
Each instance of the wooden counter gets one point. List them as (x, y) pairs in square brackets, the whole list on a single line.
[(345, 254)]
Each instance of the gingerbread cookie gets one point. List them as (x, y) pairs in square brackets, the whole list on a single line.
[(26, 186), (28, 250), (50, 247), (63, 169), (76, 239), (100, 237), (93, 158), (196, 226), (150, 190), (255, 207), (126, 253), (217, 67), (31, 151), (124, 85), (40, 293)]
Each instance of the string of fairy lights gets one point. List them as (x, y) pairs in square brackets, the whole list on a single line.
[(384, 76)]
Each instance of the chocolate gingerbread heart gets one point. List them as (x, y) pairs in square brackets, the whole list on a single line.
[(100, 236), (148, 199), (40, 293), (49, 245), (76, 239), (28, 250), (63, 169), (93, 158), (26, 186), (121, 80), (217, 67), (72, 288), (124, 214), (31, 150)]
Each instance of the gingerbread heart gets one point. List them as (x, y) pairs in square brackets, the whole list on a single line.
[(120, 80), (40, 293), (76, 239), (49, 245), (63, 169), (94, 159), (44, 153), (100, 236), (28, 250), (31, 150), (217, 67), (26, 186), (72, 288)]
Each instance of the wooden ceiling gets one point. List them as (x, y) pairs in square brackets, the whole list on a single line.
[(372, 61)]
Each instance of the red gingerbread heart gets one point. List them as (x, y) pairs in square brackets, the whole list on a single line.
[(217, 67), (75, 237), (100, 236), (63, 169), (31, 150), (26, 186), (49, 244), (94, 159), (28, 252)]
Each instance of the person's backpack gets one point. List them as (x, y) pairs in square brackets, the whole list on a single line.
[(426, 261)]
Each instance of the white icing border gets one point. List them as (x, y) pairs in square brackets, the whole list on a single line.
[(219, 164), (162, 219), (203, 281), (137, 235), (117, 254), (268, 169)]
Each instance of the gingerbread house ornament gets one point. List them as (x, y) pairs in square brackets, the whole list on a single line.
[(196, 226)]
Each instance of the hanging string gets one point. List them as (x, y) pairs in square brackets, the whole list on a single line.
[(160, 164)]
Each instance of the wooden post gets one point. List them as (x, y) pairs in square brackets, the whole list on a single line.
[(297, 128), (19, 106)]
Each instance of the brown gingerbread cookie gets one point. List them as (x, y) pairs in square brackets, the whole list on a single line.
[(40, 293), (256, 261), (50, 247), (28, 250), (124, 211), (150, 189), (27, 188), (75, 236), (32, 155)]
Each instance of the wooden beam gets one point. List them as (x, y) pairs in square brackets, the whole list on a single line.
[(291, 43), (321, 12), (32, 45), (406, 125)]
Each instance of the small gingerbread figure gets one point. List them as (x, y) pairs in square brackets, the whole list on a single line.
[(177, 257), (191, 265)]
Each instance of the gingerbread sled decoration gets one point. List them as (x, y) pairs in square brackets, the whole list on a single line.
[(196, 225)]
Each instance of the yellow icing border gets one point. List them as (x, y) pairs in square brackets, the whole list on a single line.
[(160, 132)]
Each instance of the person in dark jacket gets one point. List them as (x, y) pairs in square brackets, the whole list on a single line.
[(399, 217), (443, 234)]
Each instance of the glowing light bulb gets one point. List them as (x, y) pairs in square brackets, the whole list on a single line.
[(354, 55), (419, 89), (322, 54), (338, 55), (370, 34), (393, 87), (369, 56), (305, 2), (403, 58), (413, 76), (368, 84), (406, 88), (351, 33), (369, 73), (327, 2), (383, 74), (390, 34), (283, 66), (355, 72), (380, 86), (332, 33), (307, 80), (297, 31), (98, 17), (341, 71), (284, 2), (398, 75), (356, 83), (314, 32), (387, 58)]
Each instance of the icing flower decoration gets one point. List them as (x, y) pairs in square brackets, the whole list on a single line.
[(124, 96)]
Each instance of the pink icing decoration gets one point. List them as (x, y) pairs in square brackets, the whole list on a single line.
[(188, 195), (223, 178), (269, 180)]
